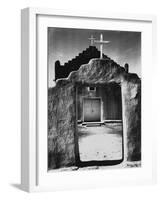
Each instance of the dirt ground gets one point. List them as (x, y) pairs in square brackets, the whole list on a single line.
[(100, 142)]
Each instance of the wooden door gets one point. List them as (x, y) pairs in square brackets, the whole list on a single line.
[(92, 109)]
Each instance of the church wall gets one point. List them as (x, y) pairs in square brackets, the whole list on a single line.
[(62, 134), (61, 126), (131, 97), (111, 99)]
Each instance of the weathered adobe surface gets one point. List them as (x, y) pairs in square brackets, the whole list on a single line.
[(62, 151)]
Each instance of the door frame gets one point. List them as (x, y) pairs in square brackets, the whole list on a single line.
[(80, 163), (100, 108)]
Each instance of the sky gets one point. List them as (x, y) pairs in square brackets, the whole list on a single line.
[(66, 43)]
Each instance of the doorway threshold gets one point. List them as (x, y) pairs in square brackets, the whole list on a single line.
[(113, 121), (89, 124)]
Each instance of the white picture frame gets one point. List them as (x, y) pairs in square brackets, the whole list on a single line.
[(34, 176)]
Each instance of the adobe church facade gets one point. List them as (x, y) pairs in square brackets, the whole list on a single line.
[(97, 92)]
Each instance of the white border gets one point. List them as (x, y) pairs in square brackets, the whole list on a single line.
[(34, 177)]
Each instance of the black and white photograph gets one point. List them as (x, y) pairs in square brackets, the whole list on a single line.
[(94, 99)]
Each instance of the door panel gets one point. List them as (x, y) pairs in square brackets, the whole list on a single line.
[(92, 110)]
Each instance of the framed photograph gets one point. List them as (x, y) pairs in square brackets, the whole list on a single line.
[(87, 117)]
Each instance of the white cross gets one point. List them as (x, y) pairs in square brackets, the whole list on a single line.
[(101, 42), (92, 39)]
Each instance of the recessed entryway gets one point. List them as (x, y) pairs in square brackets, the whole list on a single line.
[(99, 127)]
